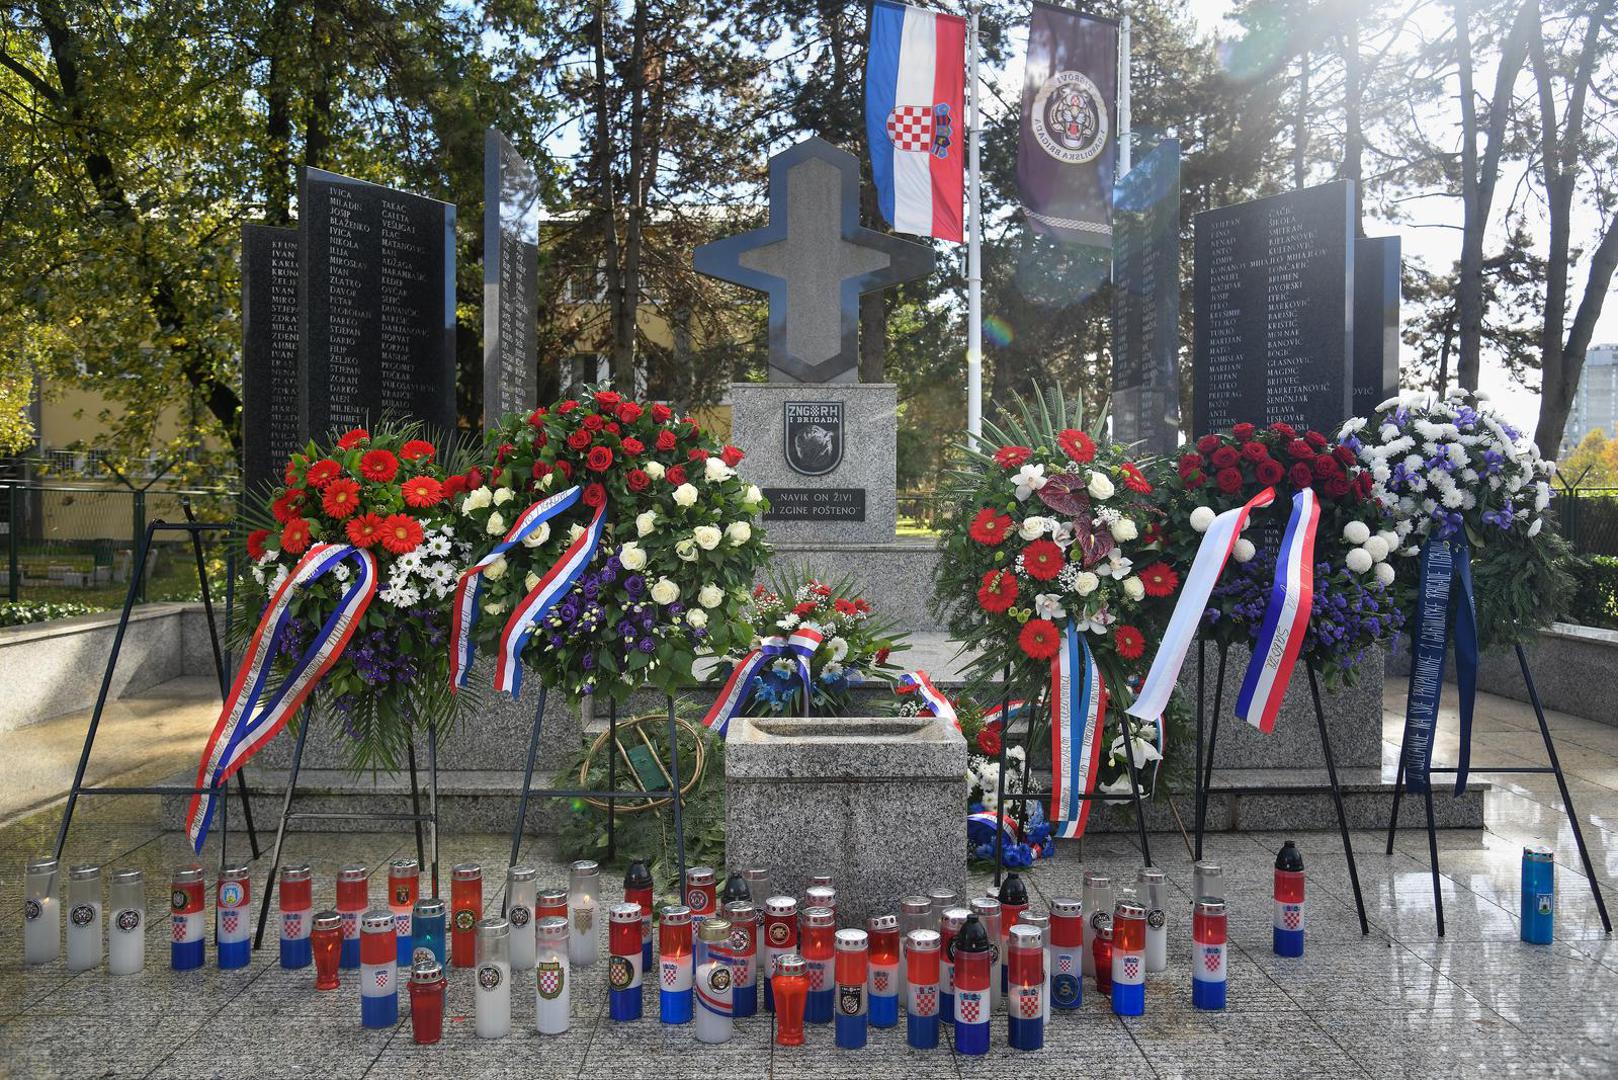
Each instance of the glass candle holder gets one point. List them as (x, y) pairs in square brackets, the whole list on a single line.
[(1025, 987), (126, 930), (1207, 879), (973, 949), (465, 905), (921, 988), (713, 978), (735, 889), (404, 888), (943, 899), (1100, 953), (326, 948), (816, 944), (743, 952), (233, 934), (950, 922), (427, 988), (522, 893), (989, 913), (1151, 886), (882, 983), (821, 879), (353, 901), (915, 913), (699, 892), (583, 902), (552, 904), (297, 902), (1538, 895), (1289, 889), (758, 888), (553, 976), (780, 938), (84, 933), (676, 968), (1042, 922), (1128, 957), (492, 986), (790, 991), (1208, 937), (1066, 949), (821, 896), (186, 939), (853, 969), (1098, 902), (379, 984), (638, 887), (41, 914), (1013, 897), (624, 973), (428, 926)]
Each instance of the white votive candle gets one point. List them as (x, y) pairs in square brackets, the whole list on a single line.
[(492, 988), (41, 914), (126, 929), (84, 918)]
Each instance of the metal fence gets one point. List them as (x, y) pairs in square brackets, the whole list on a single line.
[(75, 544), (1588, 518)]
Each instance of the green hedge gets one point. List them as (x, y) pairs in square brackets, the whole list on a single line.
[(22, 612), (1595, 600)]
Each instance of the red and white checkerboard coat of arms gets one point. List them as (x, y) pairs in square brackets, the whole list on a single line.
[(292, 926), (817, 976), (1291, 917), (382, 977), (179, 930), (926, 1001), (879, 982), (1211, 961), (1028, 1002), (968, 1006), (1131, 967), (228, 921), (921, 129), (1064, 964)]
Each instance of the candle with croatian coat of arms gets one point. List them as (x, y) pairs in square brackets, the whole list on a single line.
[(675, 966), (1128, 956), (821, 895), (1067, 953), (1098, 901), (973, 1000), (84, 918), (126, 933), (950, 922), (404, 887), (379, 979), (353, 900), (1042, 922), (1025, 988), (1208, 936), (922, 948), (883, 988), (624, 971), (1288, 937), (1538, 894), (700, 895), (743, 957), (186, 942), (553, 976), (428, 925), (297, 903), (232, 924), (780, 939), (1151, 885), (41, 914), (583, 903), (522, 892), (465, 905), (638, 887), (713, 978), (987, 909), (915, 913), (853, 953), (1207, 879), (816, 934), (491, 990), (1013, 902)]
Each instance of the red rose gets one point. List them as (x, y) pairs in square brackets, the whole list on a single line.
[(1243, 432), (629, 412), (1270, 471), (401, 533), (352, 438), (608, 399), (341, 498), (732, 456), (1225, 457), (1315, 439), (1208, 444), (1135, 480), (474, 478), (1160, 579), (1077, 445), (1196, 478), (295, 537), (541, 470), (1284, 430), (1042, 559), (666, 440), (1012, 457), (422, 491), (455, 485), (567, 406), (379, 465), (1326, 467), (637, 480), (578, 439), (1255, 452), (1130, 642), (1338, 487), (1301, 475), (594, 495), (1344, 455), (566, 469), (691, 422), (661, 413), (675, 475), (364, 530), (633, 446), (998, 591), (323, 472), (599, 459), (1229, 480), (697, 453), (1040, 639), (418, 450), (989, 527), (537, 417), (613, 427), (1299, 449), (593, 422), (255, 543), (1188, 463)]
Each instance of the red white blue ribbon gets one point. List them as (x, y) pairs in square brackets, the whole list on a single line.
[(469, 590), (917, 682), (1078, 708), (1286, 621), (540, 599), (739, 686), (243, 726), (989, 820)]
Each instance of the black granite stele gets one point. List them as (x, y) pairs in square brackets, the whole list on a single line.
[(1274, 299), (1146, 302), (377, 334), (510, 280), (1376, 321), (270, 428)]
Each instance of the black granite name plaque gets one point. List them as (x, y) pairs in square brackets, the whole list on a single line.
[(510, 280), (270, 429), (1146, 302), (377, 333), (1274, 299), (815, 504), (1376, 321)]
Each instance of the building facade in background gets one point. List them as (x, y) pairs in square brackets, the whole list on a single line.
[(1595, 404)]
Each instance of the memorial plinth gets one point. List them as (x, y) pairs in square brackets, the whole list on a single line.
[(876, 802)]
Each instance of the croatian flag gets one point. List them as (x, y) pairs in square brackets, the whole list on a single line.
[(915, 117)]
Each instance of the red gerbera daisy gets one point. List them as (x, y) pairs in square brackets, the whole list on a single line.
[(364, 530), (1012, 457), (341, 498), (998, 591), (989, 739), (418, 450), (1135, 480), (289, 475), (1160, 579), (1077, 445), (1042, 559), (1130, 642), (379, 465), (255, 543), (295, 537), (323, 472), (352, 438), (286, 507), (1040, 639), (422, 491), (401, 533), (990, 526)]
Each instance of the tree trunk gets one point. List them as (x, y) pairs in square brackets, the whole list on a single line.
[(318, 119), (606, 205), (1353, 131), (277, 174)]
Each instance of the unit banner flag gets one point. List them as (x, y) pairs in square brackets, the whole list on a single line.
[(915, 117)]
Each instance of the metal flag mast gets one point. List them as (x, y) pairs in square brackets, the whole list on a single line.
[(1124, 160), (974, 240)]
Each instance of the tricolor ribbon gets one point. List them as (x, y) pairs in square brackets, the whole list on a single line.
[(541, 598), (989, 820), (1212, 555), (918, 682), (244, 726), (1078, 697), (469, 589), (739, 686), (1286, 621), (1446, 598)]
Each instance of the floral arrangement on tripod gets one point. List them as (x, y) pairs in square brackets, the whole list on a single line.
[(613, 542), (387, 492), (855, 649)]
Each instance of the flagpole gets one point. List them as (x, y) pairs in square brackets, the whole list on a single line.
[(1124, 119), (974, 241)]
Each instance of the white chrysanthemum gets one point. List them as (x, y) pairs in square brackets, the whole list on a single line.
[(788, 621), (1202, 517), (1385, 573), (1542, 496), (1350, 426), (1356, 532), (1377, 548), (1390, 403), (1358, 560), (1243, 550)]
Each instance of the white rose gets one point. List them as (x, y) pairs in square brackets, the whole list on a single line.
[(574, 531), (1124, 530), (1032, 528), (503, 496), (665, 591), (754, 496), (546, 481), (739, 532), (531, 582), (497, 569), (1358, 560), (710, 596), (476, 499), (685, 495), (1086, 583), (1100, 487), (1377, 548), (1384, 573), (1202, 517), (697, 617), (1243, 550), (633, 556), (654, 469), (538, 536), (1355, 532), (496, 525), (707, 536), (646, 524), (1134, 588), (494, 608), (686, 549), (716, 470)]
